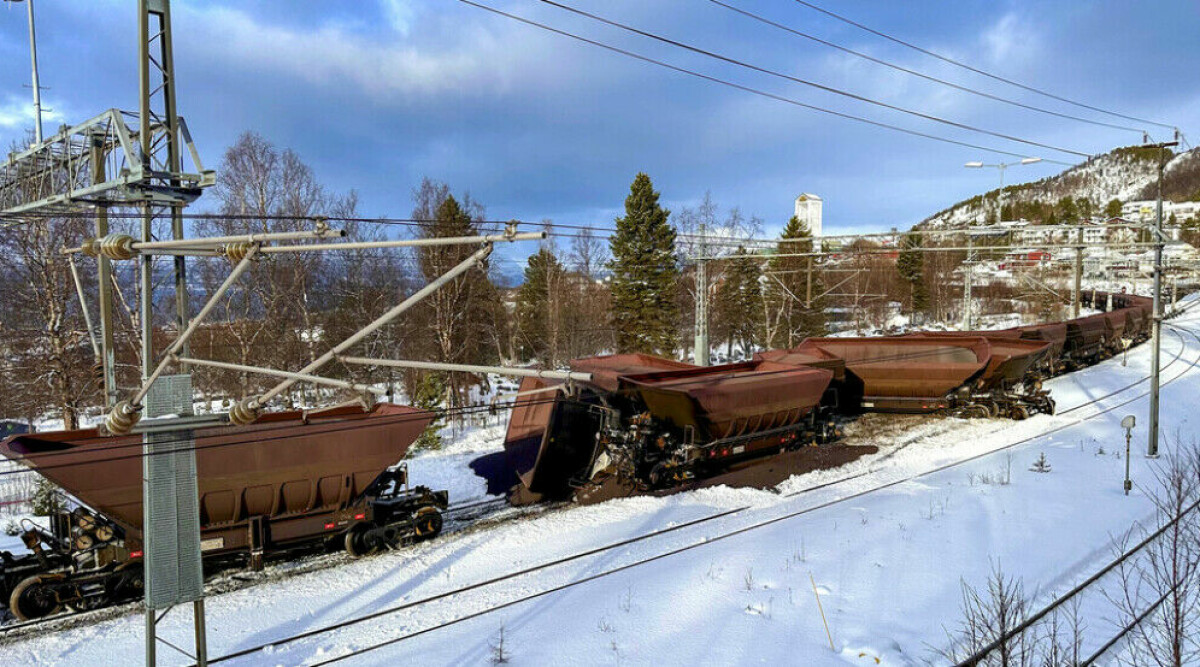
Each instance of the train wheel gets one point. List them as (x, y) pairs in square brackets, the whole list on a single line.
[(428, 523), (974, 411), (1019, 413), (993, 409), (32, 599), (1050, 406), (359, 545)]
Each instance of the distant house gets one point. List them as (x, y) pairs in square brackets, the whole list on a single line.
[(1020, 258)]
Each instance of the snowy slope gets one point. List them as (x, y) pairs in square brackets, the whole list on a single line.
[(887, 547), (1118, 175)]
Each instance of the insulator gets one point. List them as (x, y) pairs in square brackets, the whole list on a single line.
[(244, 412), (117, 246), (86, 521), (104, 533), (90, 247), (122, 418), (84, 541), (98, 376), (236, 252)]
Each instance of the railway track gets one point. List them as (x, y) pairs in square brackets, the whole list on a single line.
[(702, 542), (459, 518), (1032, 620)]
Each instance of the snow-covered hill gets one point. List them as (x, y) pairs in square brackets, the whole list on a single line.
[(1125, 173)]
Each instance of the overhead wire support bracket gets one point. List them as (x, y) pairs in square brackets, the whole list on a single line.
[(56, 174)]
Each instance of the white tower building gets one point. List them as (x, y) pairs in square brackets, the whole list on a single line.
[(808, 210)]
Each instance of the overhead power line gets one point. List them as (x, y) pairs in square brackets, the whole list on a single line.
[(934, 79), (976, 70), (812, 84), (748, 89)]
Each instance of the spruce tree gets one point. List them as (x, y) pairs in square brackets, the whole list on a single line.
[(459, 315), (1113, 208), (739, 302), (645, 274), (790, 317), (910, 264), (430, 393), (47, 499), (535, 324)]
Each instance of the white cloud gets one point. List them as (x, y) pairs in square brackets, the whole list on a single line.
[(16, 113), (1008, 39), (424, 54), (401, 14)]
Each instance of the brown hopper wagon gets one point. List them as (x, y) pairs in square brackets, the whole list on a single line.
[(287, 480)]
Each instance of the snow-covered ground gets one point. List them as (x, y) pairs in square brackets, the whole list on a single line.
[(885, 541)]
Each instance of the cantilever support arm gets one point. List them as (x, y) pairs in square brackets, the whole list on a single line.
[(126, 413), (247, 410), (87, 316), (470, 368), (306, 377), (409, 243)]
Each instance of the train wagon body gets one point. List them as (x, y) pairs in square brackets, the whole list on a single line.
[(291, 478), (653, 421), (1087, 339), (912, 375), (1010, 384)]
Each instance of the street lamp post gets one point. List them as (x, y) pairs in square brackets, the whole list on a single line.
[(968, 276), (37, 90)]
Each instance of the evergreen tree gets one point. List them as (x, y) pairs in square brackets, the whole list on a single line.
[(1086, 208), (1113, 209), (1067, 210), (536, 324), (645, 274), (47, 499), (739, 301), (430, 393), (459, 316), (790, 319), (911, 266)]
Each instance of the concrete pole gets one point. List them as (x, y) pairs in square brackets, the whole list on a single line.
[(1078, 291), (969, 267), (1156, 329), (104, 276), (37, 87), (700, 351), (808, 287)]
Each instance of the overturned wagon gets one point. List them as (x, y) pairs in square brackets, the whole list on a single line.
[(289, 479), (652, 422)]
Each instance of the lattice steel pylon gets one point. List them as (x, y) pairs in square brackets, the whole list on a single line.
[(121, 158)]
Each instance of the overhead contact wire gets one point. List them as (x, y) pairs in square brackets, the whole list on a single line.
[(806, 82), (748, 89)]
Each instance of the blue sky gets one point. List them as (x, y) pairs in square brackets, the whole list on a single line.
[(377, 94)]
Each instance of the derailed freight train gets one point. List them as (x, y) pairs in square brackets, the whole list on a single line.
[(291, 479), (655, 423)]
